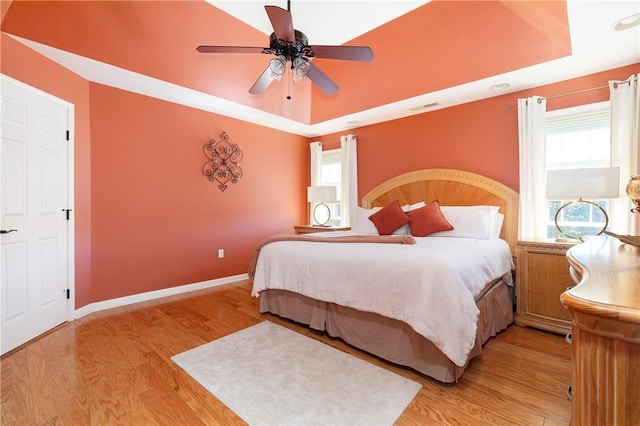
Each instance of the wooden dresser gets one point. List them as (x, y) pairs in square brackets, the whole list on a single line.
[(605, 311)]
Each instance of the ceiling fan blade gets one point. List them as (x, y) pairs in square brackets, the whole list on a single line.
[(229, 49), (321, 80), (348, 53), (262, 82), (282, 23)]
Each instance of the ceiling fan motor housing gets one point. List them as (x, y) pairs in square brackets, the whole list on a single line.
[(289, 50)]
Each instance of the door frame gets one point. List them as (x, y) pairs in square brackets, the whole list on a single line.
[(70, 186)]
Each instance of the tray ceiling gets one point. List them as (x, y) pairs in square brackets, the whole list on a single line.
[(439, 52)]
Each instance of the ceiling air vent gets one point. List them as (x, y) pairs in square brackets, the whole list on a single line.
[(419, 107)]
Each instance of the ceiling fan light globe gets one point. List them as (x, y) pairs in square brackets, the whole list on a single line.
[(300, 68), (298, 76), (277, 66)]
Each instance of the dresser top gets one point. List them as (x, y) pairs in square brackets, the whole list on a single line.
[(610, 285)]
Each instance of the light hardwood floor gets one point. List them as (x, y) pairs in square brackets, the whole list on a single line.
[(114, 367)]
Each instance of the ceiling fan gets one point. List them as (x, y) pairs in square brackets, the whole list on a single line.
[(292, 46)]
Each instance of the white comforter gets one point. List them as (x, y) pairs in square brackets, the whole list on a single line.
[(430, 285)]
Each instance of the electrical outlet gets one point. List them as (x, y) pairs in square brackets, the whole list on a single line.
[(220, 253)]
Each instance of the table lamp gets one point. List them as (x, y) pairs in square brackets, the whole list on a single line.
[(322, 195), (579, 184)]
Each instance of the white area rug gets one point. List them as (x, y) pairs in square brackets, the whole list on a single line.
[(270, 375)]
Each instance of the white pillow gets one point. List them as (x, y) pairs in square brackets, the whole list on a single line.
[(498, 219), (405, 230), (417, 205), (469, 221), (362, 223)]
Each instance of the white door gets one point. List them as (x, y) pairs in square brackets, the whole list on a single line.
[(34, 157)]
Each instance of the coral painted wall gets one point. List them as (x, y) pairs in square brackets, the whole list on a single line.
[(157, 220), (481, 137)]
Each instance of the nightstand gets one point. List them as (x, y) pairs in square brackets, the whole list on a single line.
[(308, 229), (542, 276)]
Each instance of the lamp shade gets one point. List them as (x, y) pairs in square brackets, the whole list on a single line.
[(593, 183), (322, 194)]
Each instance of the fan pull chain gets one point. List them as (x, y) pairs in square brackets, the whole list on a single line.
[(289, 84)]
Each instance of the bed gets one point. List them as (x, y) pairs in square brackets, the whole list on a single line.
[(413, 336)]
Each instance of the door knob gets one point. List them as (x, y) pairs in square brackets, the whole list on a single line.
[(4, 231)]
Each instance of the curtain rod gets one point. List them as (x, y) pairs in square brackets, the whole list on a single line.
[(539, 100), (615, 86), (334, 141)]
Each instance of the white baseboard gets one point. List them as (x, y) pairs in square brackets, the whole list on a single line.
[(156, 294)]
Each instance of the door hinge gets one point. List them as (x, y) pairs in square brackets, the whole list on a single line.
[(68, 212), (68, 293), (68, 135)]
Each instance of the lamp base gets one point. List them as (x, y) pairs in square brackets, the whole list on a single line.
[(315, 215), (568, 240), (566, 234)]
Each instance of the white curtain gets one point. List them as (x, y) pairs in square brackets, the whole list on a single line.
[(316, 169), (532, 141), (625, 152), (316, 163), (349, 163)]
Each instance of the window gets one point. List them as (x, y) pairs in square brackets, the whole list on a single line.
[(331, 175), (578, 137)]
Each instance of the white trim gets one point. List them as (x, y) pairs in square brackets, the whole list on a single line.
[(156, 294), (71, 246), (332, 151), (578, 109)]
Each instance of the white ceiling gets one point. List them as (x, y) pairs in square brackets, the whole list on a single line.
[(595, 47)]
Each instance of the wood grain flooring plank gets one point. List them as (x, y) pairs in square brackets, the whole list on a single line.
[(15, 389), (471, 404), (205, 405), (548, 378), (44, 377)]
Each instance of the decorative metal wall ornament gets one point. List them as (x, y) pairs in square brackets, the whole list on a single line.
[(223, 161)]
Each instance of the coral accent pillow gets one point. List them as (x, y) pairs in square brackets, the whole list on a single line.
[(427, 220), (389, 218)]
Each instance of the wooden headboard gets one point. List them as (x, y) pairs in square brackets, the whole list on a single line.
[(451, 188)]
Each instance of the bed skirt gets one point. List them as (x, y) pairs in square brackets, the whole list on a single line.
[(390, 339)]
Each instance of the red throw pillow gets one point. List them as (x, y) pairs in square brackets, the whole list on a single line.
[(427, 220), (389, 218)]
